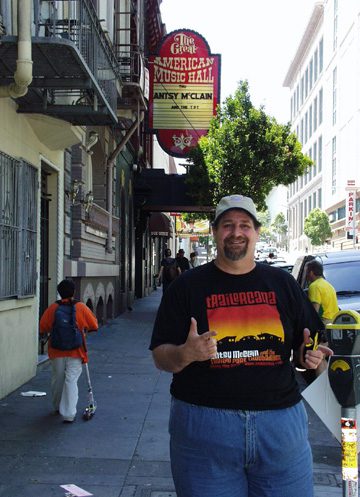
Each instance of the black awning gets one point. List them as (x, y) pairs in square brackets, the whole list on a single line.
[(160, 225), (156, 191)]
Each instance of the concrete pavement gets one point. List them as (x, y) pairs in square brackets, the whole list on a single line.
[(123, 450)]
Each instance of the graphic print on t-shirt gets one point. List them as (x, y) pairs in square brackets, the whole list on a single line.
[(249, 329)]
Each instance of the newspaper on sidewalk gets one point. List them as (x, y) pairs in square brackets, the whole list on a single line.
[(75, 491)]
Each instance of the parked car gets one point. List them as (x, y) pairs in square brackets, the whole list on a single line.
[(283, 264), (341, 269), (269, 250)]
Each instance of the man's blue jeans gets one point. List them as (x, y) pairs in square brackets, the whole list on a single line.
[(229, 453)]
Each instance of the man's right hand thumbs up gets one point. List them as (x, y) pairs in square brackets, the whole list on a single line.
[(200, 347)]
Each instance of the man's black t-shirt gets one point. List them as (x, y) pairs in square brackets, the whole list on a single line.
[(169, 269), (259, 318)]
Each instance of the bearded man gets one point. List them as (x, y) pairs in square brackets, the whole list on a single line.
[(227, 331)]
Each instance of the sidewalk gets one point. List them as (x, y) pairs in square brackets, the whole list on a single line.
[(123, 450)]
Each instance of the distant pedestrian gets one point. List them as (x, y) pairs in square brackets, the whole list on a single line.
[(169, 270), (194, 262), (182, 261), (59, 320), (271, 258)]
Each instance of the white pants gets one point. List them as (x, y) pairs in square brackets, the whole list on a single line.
[(65, 394)]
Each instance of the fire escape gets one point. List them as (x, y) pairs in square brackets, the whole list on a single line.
[(129, 51), (75, 72)]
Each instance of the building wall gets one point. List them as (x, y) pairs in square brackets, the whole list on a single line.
[(339, 129), (109, 257), (19, 317)]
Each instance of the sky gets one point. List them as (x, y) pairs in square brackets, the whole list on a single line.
[(257, 40)]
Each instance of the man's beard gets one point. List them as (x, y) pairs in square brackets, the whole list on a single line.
[(234, 253)]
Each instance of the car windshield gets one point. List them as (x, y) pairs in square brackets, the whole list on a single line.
[(343, 276)]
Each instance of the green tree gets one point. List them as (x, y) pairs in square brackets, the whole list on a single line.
[(279, 226), (266, 235), (317, 227), (245, 151), (265, 232), (264, 218)]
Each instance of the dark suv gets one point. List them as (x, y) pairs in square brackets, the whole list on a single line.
[(341, 269)]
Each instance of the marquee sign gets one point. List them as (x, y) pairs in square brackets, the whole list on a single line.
[(201, 227), (184, 91)]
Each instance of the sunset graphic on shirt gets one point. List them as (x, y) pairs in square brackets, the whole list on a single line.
[(245, 321)]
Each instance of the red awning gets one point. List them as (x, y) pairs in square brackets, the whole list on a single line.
[(160, 225)]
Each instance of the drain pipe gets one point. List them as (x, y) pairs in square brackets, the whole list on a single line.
[(24, 63)]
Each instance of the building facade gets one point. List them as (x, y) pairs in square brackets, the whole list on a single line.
[(323, 79), (73, 101)]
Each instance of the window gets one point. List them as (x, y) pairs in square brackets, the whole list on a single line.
[(321, 55), (319, 161), (306, 127), (341, 213), (316, 65), (302, 90), (311, 74), (315, 113), (309, 203), (343, 277), (319, 196), (333, 165), (314, 156), (297, 97), (306, 82), (320, 106), (334, 84), (18, 220), (310, 121), (332, 216), (335, 25), (314, 200)]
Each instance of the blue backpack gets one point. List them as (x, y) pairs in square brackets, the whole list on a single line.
[(65, 335)]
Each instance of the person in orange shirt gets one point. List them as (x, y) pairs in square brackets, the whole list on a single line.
[(67, 364)]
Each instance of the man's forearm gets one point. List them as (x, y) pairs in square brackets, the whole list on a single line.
[(316, 306), (171, 358)]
